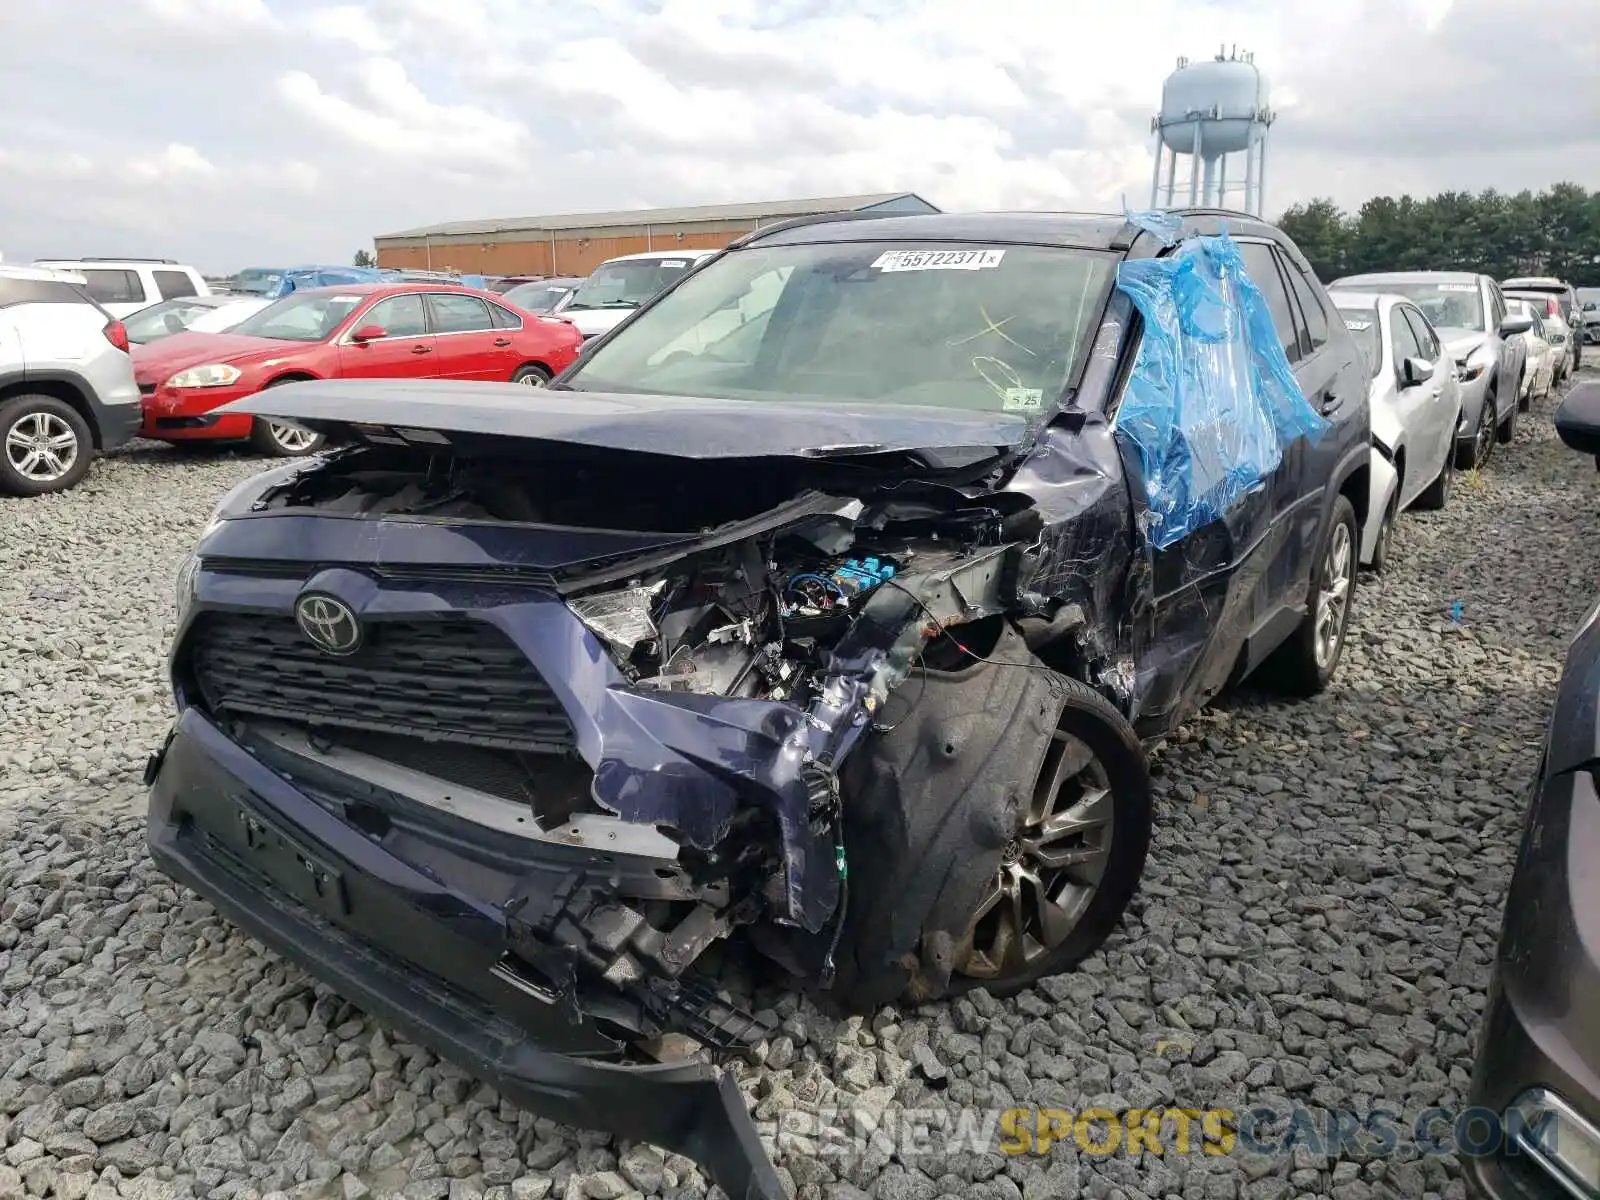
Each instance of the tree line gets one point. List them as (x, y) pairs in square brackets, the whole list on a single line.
[(1556, 232)]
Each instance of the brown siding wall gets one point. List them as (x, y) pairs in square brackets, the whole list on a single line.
[(572, 256)]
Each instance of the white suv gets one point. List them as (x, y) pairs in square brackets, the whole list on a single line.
[(125, 285), (66, 381)]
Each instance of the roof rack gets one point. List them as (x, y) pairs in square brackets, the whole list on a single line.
[(116, 258)]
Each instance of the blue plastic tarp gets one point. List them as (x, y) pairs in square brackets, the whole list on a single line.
[(296, 279), (1211, 404)]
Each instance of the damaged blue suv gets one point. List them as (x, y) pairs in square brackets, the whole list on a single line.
[(820, 612)]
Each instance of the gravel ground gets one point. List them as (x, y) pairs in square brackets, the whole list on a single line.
[(1316, 925)]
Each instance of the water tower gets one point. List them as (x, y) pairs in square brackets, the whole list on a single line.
[(1209, 112)]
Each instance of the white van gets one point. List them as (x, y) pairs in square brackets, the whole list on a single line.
[(125, 285)]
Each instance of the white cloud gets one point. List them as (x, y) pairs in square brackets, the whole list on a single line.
[(349, 23), (176, 162), (391, 115)]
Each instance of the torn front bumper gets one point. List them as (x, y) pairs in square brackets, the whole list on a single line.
[(422, 956)]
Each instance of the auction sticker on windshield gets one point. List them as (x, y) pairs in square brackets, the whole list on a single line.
[(1458, 287), (938, 260)]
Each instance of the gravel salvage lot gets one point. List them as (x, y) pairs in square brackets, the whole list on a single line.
[(1316, 924)]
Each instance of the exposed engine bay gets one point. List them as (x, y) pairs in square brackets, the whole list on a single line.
[(750, 646)]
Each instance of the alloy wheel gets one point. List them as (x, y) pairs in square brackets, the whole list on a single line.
[(41, 447), (1483, 440), (532, 379), (1334, 598), (1049, 870), (291, 438)]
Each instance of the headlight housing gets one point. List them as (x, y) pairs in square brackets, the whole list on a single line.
[(1550, 1132), (183, 587), (210, 375), (1474, 363), (621, 618)]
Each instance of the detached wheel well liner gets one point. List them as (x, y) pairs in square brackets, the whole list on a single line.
[(930, 804)]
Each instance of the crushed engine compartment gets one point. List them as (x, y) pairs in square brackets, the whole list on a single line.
[(750, 657)]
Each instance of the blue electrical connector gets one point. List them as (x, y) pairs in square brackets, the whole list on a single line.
[(857, 575)]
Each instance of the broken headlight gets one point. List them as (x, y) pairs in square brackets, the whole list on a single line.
[(621, 618)]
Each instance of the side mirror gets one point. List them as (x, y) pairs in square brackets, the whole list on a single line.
[(1513, 325), (1578, 419), (369, 333), (1415, 371)]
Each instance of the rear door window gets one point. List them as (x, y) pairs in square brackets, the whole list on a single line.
[(1262, 266), (175, 283), (113, 287), (458, 314), (504, 318)]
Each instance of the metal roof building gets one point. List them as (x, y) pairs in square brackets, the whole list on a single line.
[(576, 243)]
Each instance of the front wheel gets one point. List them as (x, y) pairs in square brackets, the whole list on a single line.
[(1305, 664), (1476, 452), (283, 441)]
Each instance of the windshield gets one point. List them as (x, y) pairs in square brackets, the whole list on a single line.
[(258, 281), (537, 297), (1447, 303), (226, 316), (157, 321), (984, 328), (301, 317), (629, 283), (1363, 326)]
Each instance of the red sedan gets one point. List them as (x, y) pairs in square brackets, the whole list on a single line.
[(373, 331)]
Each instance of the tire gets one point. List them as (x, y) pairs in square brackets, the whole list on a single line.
[(1380, 552), (1437, 493), (531, 375), (45, 445), (1476, 453), (936, 821), (281, 441), (1507, 429), (1299, 666)]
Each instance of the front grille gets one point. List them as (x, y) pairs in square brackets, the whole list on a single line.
[(450, 680), (147, 389), (275, 568)]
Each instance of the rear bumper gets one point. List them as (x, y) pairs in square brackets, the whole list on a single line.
[(119, 424), (408, 949), (1541, 1028)]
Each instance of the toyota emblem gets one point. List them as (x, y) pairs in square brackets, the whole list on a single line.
[(330, 625)]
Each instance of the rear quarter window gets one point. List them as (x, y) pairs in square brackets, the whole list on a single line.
[(175, 283)]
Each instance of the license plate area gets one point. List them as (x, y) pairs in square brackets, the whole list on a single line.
[(288, 862)]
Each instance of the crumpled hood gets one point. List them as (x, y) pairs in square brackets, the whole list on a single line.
[(433, 412), (161, 359)]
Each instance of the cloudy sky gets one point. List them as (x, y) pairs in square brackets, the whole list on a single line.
[(232, 132)]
